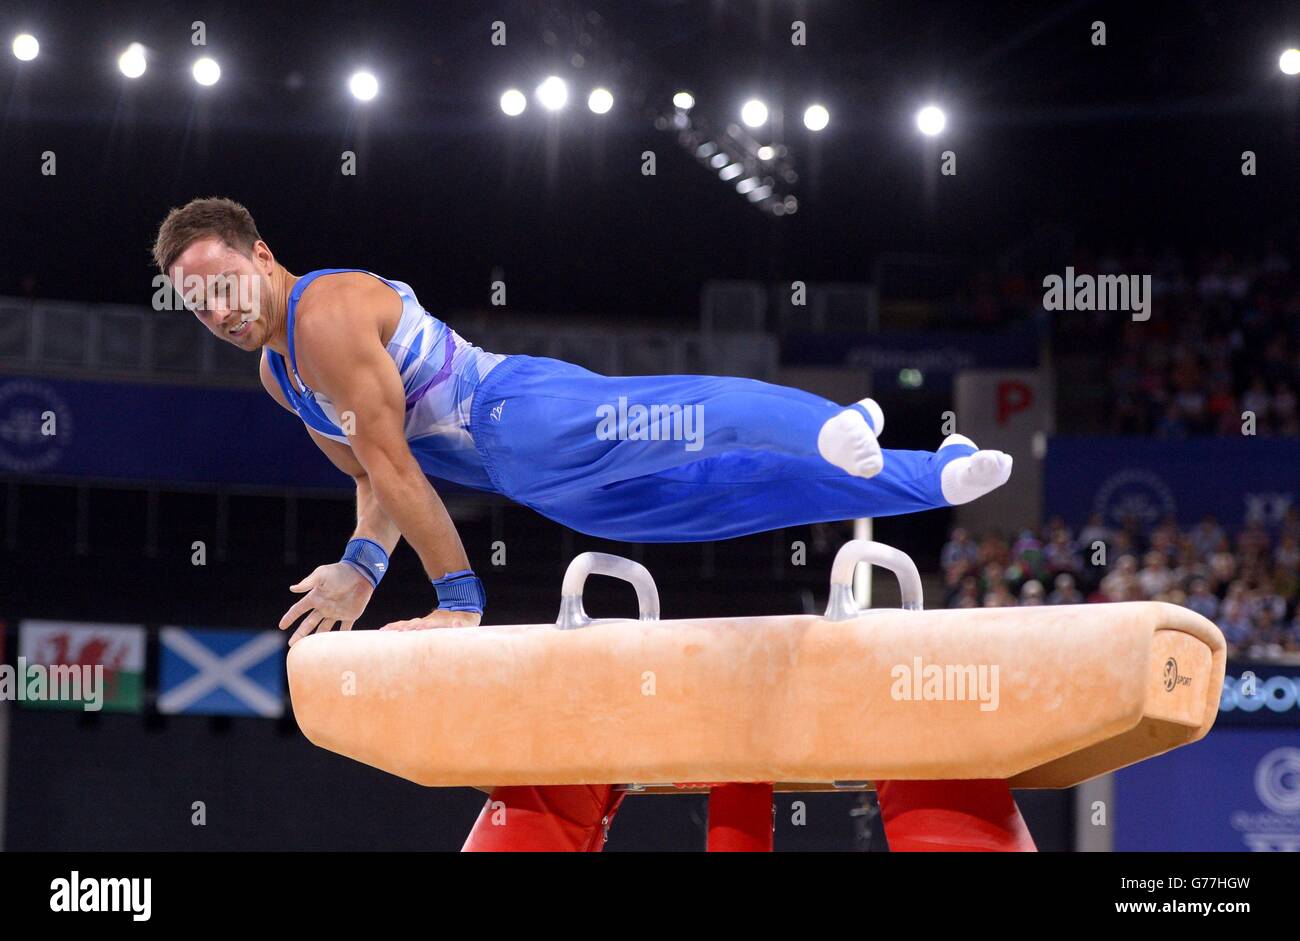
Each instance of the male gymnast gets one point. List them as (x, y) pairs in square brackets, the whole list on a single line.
[(391, 394)]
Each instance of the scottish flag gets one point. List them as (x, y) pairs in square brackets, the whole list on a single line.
[(223, 673)]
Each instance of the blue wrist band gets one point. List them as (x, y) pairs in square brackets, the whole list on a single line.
[(460, 591), (367, 557)]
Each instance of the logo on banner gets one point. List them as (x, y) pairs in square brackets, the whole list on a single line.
[(25, 444), (1134, 494), (1277, 785), (227, 673)]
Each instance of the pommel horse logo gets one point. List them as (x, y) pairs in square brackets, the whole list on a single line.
[(1172, 677)]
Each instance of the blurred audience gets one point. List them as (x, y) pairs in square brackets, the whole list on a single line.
[(1248, 585)]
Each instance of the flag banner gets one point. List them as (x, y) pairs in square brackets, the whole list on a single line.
[(221, 672), (78, 665)]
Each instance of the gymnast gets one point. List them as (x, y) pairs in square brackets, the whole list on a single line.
[(392, 394)]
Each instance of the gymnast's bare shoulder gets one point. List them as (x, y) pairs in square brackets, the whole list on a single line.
[(338, 313)]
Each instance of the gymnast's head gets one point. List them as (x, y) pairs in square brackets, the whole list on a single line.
[(215, 259)]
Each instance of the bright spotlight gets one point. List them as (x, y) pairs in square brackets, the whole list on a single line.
[(513, 102), (766, 153), (206, 71), (816, 118), (930, 120), (553, 93), (363, 85), (731, 171), (131, 62), (600, 100), (754, 113), (1289, 63), (26, 47), (684, 100)]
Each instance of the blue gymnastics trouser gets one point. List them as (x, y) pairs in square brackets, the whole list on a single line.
[(740, 456)]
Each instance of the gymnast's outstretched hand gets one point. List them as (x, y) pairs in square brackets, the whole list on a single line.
[(335, 592), (436, 618)]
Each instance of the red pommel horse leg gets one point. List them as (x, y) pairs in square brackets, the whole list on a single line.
[(918, 816), (740, 818)]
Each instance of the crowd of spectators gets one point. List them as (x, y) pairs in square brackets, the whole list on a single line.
[(1248, 583), (1223, 339)]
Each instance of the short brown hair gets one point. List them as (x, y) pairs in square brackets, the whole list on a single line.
[(203, 218)]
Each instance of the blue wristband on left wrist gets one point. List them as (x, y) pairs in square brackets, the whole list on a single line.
[(460, 591), (367, 557)]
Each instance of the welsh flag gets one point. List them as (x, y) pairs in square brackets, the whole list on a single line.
[(116, 649)]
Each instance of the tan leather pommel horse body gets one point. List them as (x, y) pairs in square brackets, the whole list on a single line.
[(1029, 697)]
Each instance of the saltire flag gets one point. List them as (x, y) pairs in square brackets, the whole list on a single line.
[(80, 665), (221, 673)]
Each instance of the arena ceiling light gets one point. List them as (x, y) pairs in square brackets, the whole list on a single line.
[(753, 113), (363, 85), (131, 62), (931, 120), (206, 71), (816, 117), (552, 94), (1288, 63), (25, 47), (600, 100), (513, 102), (684, 100)]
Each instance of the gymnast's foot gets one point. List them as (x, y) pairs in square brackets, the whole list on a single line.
[(849, 442), (967, 478)]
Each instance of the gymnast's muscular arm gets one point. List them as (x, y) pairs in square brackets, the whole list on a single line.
[(337, 591), (340, 351)]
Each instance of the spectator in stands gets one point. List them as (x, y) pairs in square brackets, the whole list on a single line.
[(1095, 531), (1000, 597), (1234, 618), (1155, 577), (1060, 554), (968, 596), (1287, 553), (1065, 592), (1203, 601), (1119, 584), (959, 558), (1207, 536), (1031, 593)]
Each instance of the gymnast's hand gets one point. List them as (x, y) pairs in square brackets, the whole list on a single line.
[(335, 592), (436, 618)]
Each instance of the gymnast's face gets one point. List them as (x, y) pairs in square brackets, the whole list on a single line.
[(228, 291)]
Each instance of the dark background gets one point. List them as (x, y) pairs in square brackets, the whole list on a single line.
[(1134, 143)]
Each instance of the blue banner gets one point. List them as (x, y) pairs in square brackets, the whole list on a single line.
[(53, 429), (1260, 695), (1234, 479), (1235, 790)]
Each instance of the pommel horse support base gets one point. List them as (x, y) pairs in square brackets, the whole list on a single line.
[(1036, 697)]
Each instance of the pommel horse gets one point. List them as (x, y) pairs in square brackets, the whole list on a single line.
[(944, 710)]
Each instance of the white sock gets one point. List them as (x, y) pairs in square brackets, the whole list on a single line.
[(847, 441), (967, 478)]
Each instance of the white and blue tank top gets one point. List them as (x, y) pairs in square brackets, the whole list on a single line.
[(440, 372)]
